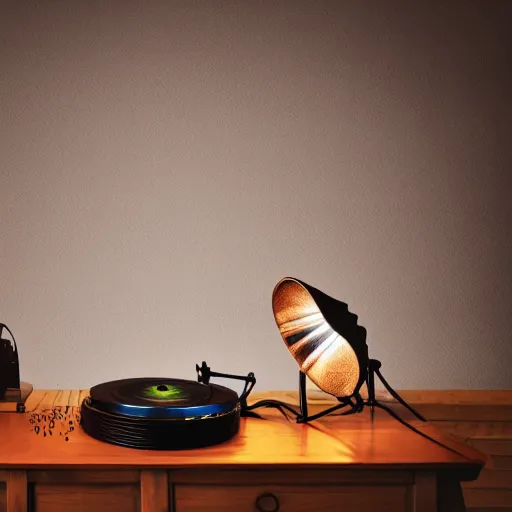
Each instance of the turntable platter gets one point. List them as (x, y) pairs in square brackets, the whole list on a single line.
[(161, 413)]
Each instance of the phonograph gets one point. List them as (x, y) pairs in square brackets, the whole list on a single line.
[(13, 392), (164, 413)]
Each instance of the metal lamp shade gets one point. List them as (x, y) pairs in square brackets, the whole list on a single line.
[(322, 336)]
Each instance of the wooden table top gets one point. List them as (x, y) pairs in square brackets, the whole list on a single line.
[(341, 442)]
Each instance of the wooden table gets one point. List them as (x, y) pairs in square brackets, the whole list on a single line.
[(337, 463)]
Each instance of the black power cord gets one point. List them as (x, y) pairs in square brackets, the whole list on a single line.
[(205, 373)]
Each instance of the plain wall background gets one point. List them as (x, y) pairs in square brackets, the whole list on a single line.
[(164, 164)]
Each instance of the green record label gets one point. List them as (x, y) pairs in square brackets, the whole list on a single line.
[(164, 392)]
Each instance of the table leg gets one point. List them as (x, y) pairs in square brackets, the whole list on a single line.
[(17, 491), (154, 491), (450, 496), (425, 492)]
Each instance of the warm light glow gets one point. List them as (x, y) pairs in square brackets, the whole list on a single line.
[(336, 371), (300, 345), (300, 323), (322, 354)]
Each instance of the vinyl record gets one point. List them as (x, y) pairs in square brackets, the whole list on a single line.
[(160, 413), (162, 398)]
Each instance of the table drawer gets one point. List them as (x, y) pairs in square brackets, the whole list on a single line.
[(86, 498), (290, 498)]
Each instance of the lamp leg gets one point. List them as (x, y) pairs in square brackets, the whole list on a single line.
[(304, 418), (395, 395), (373, 366), (303, 401)]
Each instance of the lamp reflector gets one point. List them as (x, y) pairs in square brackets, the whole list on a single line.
[(321, 351)]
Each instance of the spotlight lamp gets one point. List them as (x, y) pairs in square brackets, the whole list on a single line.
[(329, 346), (324, 338)]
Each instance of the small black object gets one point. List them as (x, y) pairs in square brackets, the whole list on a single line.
[(9, 367), (165, 414)]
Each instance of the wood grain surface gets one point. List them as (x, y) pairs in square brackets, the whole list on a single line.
[(87, 498), (425, 492), (482, 419), (333, 441), (479, 419), (154, 488), (16, 491), (198, 498)]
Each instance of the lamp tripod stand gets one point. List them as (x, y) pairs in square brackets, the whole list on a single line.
[(356, 402)]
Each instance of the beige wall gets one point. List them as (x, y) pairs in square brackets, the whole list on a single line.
[(164, 164)]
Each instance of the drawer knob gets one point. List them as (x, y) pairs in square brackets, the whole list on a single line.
[(267, 502)]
